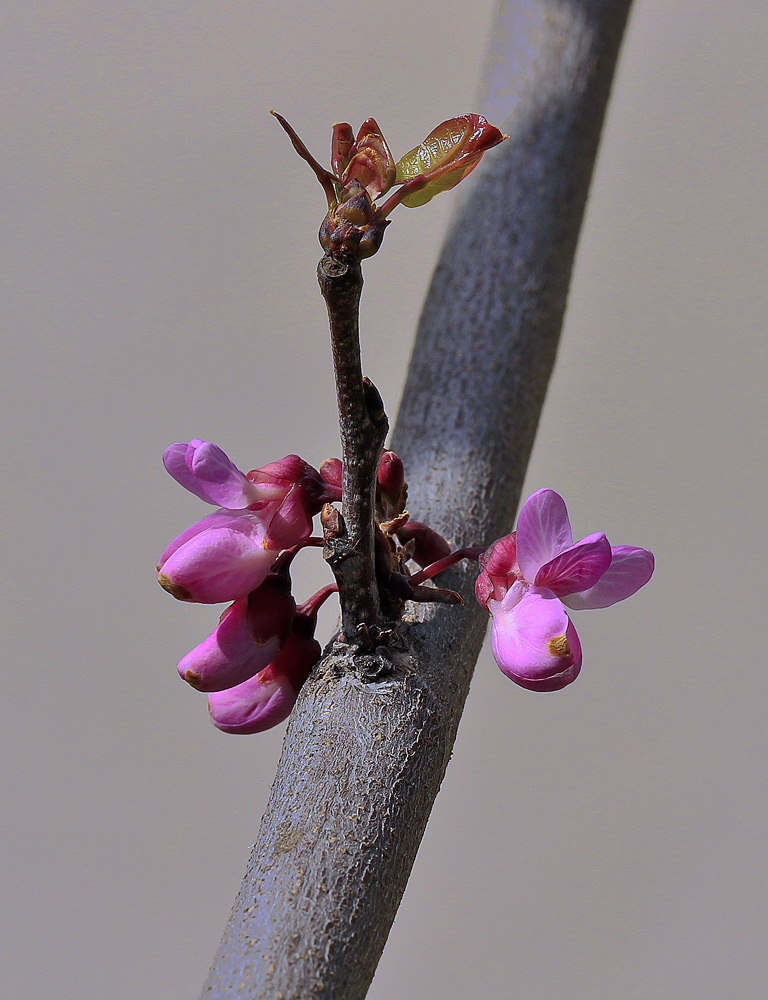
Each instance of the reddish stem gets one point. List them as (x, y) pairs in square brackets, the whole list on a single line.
[(447, 561)]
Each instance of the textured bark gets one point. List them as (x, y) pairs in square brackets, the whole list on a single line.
[(362, 763)]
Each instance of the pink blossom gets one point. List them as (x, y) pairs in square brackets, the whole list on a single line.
[(526, 579), (220, 558), (247, 639), (267, 698), (228, 554)]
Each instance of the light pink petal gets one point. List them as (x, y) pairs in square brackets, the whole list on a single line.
[(229, 655), (576, 568), (204, 469), (174, 460), (219, 478), (530, 634), (557, 681), (543, 530), (631, 568)]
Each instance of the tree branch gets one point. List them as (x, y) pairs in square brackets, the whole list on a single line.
[(362, 763)]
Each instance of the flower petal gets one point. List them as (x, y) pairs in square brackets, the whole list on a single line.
[(631, 568), (220, 558), (253, 706), (205, 470), (558, 681), (266, 699), (576, 568), (543, 531), (530, 638), (229, 655)]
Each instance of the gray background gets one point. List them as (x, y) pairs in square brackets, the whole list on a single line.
[(159, 246)]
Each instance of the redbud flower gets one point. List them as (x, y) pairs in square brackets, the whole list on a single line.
[(526, 579), (268, 697), (249, 636), (228, 554), (220, 558)]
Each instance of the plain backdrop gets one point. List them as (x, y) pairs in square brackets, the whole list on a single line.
[(158, 256)]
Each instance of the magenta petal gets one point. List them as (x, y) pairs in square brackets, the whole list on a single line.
[(220, 558), (576, 568), (630, 569), (267, 698), (530, 639), (500, 558), (543, 530), (253, 706), (223, 482), (229, 655), (292, 521)]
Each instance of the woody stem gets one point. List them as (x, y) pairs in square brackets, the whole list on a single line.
[(363, 425)]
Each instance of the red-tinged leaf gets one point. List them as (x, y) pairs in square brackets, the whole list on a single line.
[(446, 156)]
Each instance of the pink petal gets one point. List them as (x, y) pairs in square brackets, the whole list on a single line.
[(268, 698), (576, 568), (557, 681), (224, 483), (531, 638), (220, 558), (229, 655), (202, 468), (543, 531), (253, 706), (631, 568)]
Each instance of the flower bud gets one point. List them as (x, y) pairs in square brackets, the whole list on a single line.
[(266, 699), (246, 640), (304, 491), (428, 545), (391, 484), (220, 558)]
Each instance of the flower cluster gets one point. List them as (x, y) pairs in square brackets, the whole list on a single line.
[(528, 579), (263, 648)]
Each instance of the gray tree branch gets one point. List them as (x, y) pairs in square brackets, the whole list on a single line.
[(362, 763)]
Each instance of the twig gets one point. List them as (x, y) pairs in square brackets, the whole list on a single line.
[(350, 540)]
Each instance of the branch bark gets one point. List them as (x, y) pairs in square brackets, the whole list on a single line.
[(362, 762)]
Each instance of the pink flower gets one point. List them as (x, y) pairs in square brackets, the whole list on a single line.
[(267, 698), (220, 558), (250, 634), (228, 554), (526, 579)]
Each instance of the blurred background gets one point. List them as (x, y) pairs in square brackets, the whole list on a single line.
[(159, 248)]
